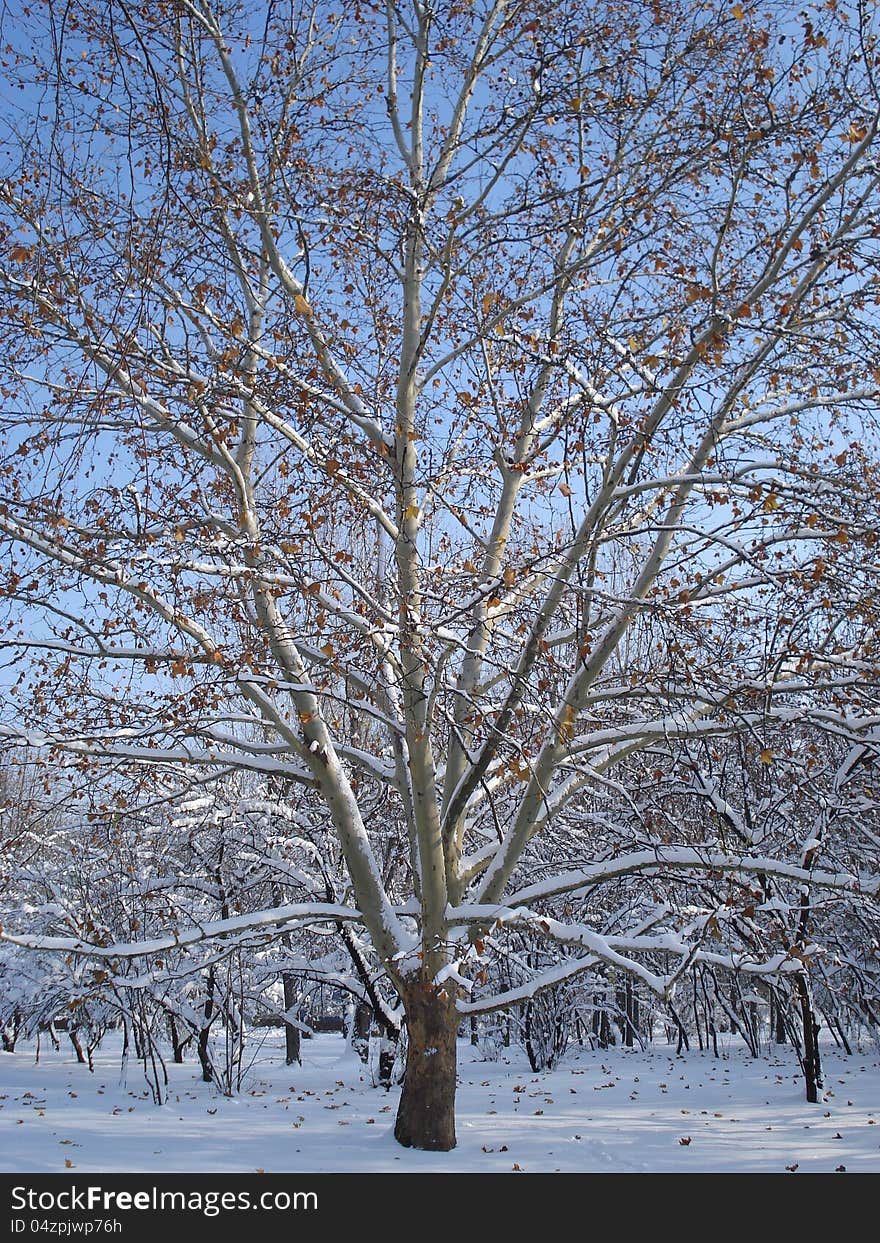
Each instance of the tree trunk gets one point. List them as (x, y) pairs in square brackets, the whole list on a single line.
[(811, 1062), (75, 1041), (205, 1031), (10, 1033), (601, 1024), (291, 1034), (387, 1058), (177, 1045), (361, 1022), (629, 1009), (426, 1113)]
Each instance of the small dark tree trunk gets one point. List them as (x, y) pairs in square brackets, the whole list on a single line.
[(629, 1009), (205, 1032), (426, 1113), (601, 1023), (682, 1041), (810, 1061), (204, 1057), (529, 1034), (78, 1049), (709, 1013), (695, 1009), (754, 1026), (360, 1030), (835, 1026), (10, 1034), (291, 1033), (387, 1058), (177, 1045)]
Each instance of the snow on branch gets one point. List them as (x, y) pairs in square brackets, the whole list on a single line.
[(647, 861), (282, 918)]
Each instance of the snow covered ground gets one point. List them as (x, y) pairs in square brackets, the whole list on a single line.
[(605, 1111)]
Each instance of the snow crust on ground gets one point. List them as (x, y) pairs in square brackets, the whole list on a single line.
[(612, 1110)]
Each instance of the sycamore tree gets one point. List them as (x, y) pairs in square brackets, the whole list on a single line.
[(445, 400)]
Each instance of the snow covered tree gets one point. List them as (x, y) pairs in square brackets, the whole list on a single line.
[(448, 400)]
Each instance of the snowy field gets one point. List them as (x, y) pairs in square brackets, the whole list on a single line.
[(605, 1111)]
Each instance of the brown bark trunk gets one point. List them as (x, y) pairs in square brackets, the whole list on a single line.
[(205, 1032), (360, 1031), (387, 1058), (177, 1045), (78, 1049), (811, 1062), (426, 1113), (291, 1034)]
